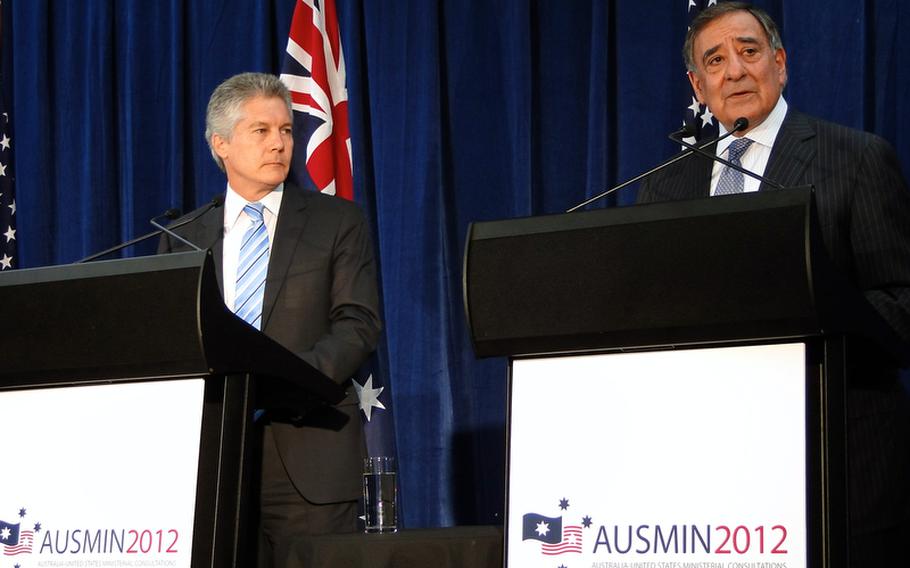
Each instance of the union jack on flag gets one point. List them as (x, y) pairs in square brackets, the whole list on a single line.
[(314, 72)]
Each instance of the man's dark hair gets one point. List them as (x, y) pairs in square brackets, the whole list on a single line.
[(722, 9)]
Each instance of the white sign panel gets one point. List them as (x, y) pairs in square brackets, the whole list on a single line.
[(99, 475), (672, 459)]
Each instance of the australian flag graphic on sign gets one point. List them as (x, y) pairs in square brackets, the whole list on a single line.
[(555, 538), (14, 540), (544, 529), (9, 534)]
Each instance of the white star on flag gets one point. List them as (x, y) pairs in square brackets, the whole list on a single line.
[(695, 107), (6, 262), (707, 117), (4, 534), (10, 234), (543, 528), (368, 396), (4, 142)]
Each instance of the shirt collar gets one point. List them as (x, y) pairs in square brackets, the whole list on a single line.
[(763, 134), (234, 204)]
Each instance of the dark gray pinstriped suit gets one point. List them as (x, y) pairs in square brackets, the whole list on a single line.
[(864, 212)]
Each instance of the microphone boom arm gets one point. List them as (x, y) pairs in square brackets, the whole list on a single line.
[(740, 124), (700, 151)]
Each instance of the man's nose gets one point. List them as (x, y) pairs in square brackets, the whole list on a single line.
[(735, 67), (276, 140)]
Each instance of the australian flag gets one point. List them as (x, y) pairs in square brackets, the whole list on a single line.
[(544, 529), (314, 71), (698, 120)]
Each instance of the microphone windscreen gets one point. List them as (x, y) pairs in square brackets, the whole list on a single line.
[(740, 124)]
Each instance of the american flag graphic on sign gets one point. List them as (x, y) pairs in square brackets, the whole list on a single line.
[(571, 542), (314, 71), (22, 546)]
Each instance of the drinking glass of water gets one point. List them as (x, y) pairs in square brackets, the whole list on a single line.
[(380, 494)]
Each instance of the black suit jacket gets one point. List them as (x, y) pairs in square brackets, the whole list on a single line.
[(321, 302), (864, 212)]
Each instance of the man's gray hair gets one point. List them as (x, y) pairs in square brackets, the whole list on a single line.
[(223, 112), (722, 9)]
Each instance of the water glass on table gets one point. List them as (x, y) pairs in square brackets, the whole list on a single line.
[(380, 494)]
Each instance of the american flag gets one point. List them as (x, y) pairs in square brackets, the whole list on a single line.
[(698, 118), (7, 195), (314, 72)]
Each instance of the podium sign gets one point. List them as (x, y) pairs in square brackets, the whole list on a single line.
[(692, 453), (100, 473), (127, 392), (665, 458)]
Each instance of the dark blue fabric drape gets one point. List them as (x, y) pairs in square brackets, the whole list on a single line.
[(461, 111)]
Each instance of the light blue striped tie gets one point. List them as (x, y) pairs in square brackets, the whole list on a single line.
[(252, 268), (732, 181)]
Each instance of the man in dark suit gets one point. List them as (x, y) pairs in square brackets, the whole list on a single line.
[(299, 266), (737, 67)]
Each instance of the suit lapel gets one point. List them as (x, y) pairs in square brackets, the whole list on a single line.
[(793, 151), (701, 176), (695, 179), (292, 219)]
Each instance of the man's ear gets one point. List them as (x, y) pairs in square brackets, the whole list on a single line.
[(780, 60), (696, 86), (220, 146)]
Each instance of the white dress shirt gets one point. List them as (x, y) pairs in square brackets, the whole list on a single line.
[(236, 223), (755, 158)]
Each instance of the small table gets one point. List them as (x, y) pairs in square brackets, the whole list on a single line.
[(454, 547)]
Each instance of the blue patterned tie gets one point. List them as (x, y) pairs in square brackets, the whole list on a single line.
[(731, 181), (252, 268)]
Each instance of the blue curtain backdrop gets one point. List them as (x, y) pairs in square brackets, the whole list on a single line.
[(461, 111)]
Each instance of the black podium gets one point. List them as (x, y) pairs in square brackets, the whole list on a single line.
[(137, 328), (614, 321)]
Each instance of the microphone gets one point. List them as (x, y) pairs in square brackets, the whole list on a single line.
[(740, 124), (217, 201), (162, 229)]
